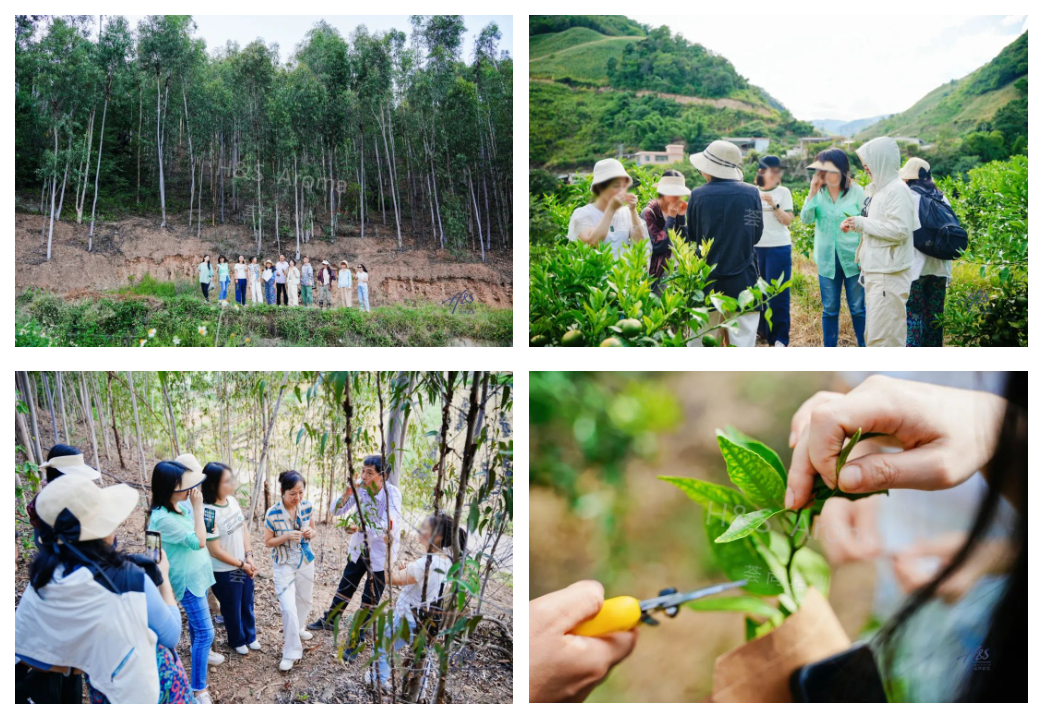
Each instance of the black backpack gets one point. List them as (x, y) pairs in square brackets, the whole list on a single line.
[(940, 234)]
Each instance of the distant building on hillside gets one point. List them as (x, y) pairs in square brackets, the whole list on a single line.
[(674, 153), (808, 144), (747, 144)]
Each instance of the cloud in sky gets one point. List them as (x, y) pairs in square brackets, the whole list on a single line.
[(288, 31), (849, 67)]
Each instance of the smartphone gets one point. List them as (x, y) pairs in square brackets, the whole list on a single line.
[(153, 545), (849, 677)]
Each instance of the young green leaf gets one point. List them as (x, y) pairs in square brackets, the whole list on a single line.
[(752, 474), (763, 450), (738, 604), (746, 524), (715, 499), (741, 560)]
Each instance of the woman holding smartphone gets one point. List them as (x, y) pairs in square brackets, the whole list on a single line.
[(288, 531), (612, 217), (833, 197), (89, 609), (177, 514), (228, 541)]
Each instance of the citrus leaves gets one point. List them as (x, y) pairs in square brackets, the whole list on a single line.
[(744, 604), (754, 476), (712, 497), (746, 524)]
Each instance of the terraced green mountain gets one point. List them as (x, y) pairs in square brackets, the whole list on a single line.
[(597, 82), (961, 106)]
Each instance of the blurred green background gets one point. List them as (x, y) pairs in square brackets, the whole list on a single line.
[(598, 439)]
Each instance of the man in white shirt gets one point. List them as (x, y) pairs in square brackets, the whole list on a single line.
[(281, 296), (380, 506)]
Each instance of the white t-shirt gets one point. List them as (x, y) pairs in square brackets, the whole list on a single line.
[(588, 216), (412, 595), (774, 233), (362, 277), (240, 270), (224, 524)]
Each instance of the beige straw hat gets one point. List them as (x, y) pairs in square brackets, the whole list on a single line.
[(608, 169), (720, 159), (71, 466), (195, 474), (99, 511), (672, 186), (824, 167), (911, 168)]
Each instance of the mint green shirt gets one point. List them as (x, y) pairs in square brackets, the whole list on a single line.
[(222, 271), (190, 566), (829, 240), (205, 272)]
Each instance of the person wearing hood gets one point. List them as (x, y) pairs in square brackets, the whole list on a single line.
[(886, 251), (666, 213), (727, 211), (612, 216), (930, 275), (833, 196)]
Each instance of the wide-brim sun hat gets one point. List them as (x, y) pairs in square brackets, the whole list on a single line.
[(325, 262), (344, 262), (672, 186), (721, 159), (912, 167), (71, 466), (608, 169), (825, 166), (97, 511), (193, 476)]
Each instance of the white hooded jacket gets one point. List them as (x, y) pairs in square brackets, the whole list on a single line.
[(886, 232)]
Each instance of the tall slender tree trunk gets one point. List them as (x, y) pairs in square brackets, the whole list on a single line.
[(159, 145), (97, 173), (477, 213), (140, 116), (137, 426), (173, 419), (89, 412), (82, 176), (50, 405), (65, 178), (54, 186), (61, 406)]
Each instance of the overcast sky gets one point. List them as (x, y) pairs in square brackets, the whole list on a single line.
[(288, 31), (851, 67)]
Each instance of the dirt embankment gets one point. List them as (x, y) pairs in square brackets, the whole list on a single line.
[(136, 246)]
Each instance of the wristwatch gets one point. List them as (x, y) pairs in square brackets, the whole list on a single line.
[(777, 206)]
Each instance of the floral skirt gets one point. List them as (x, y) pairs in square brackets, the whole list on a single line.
[(925, 308), (174, 687)]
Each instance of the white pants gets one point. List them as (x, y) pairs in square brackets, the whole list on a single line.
[(294, 588), (886, 320), (292, 291), (743, 335), (256, 292)]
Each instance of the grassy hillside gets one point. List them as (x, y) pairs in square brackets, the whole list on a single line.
[(612, 25), (963, 104), (700, 95), (577, 54)]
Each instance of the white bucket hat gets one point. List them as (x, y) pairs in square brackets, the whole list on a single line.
[(720, 159), (672, 186), (99, 511), (71, 466), (195, 474), (608, 169), (911, 168)]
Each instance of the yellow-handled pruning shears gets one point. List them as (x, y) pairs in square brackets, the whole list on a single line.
[(626, 612)]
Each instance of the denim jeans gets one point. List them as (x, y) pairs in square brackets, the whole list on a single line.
[(831, 292), (200, 629), (240, 292), (382, 664), (224, 289), (363, 296), (234, 591), (269, 291), (775, 263)]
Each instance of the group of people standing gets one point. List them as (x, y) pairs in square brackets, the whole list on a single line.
[(283, 283), (863, 238), (93, 612)]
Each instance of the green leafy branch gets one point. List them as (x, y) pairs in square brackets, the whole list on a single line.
[(775, 561)]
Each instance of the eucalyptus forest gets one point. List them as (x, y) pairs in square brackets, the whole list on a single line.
[(447, 441), (320, 139)]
